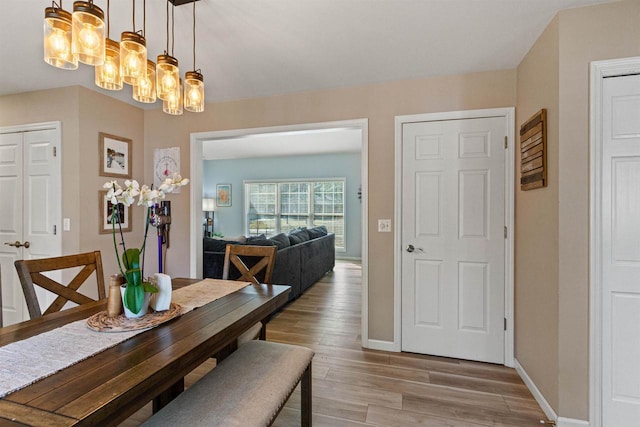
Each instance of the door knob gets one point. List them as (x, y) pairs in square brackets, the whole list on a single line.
[(17, 244), (410, 248)]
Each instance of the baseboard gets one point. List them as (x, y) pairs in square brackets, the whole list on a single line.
[(348, 258), (571, 422), (546, 408), (380, 345)]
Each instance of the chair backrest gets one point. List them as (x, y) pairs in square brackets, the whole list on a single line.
[(243, 258), (29, 272)]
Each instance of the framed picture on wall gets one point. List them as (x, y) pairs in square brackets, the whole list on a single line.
[(106, 209), (115, 156), (223, 195)]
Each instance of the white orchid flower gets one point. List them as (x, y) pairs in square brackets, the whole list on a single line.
[(148, 197), (170, 184), (115, 191)]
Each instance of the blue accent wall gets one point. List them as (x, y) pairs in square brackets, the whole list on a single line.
[(230, 220)]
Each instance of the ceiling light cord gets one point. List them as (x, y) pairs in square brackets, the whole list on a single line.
[(134, 16), (167, 50), (173, 27), (144, 18), (194, 35), (108, 20)]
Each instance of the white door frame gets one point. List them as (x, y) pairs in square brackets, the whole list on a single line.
[(599, 71), (195, 228), (509, 115)]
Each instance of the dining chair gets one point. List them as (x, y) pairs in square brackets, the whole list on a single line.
[(255, 265), (30, 274)]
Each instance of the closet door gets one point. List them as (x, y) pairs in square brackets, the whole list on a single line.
[(30, 190)]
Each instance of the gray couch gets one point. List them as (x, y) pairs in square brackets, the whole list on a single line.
[(303, 257)]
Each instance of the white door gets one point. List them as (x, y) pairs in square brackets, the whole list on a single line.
[(453, 219), (30, 190), (621, 251)]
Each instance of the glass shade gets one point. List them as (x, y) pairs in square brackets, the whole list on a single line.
[(87, 36), (173, 104), (108, 74), (145, 90), (167, 76), (194, 92), (133, 57), (57, 39)]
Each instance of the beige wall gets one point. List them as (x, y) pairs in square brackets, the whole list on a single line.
[(586, 34), (536, 251), (83, 114), (552, 300), (378, 103)]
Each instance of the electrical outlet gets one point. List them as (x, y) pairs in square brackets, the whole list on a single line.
[(384, 226)]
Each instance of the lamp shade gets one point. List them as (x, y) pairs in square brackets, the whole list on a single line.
[(57, 39), (173, 104), (208, 205), (108, 74), (167, 76), (87, 36), (133, 57), (194, 92), (145, 90)]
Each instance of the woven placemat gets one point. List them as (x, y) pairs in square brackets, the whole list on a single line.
[(100, 322)]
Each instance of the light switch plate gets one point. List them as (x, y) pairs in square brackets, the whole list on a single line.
[(66, 224), (384, 226)]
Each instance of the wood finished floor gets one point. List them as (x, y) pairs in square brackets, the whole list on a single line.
[(358, 387)]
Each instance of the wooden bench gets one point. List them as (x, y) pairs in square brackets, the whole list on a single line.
[(247, 389)]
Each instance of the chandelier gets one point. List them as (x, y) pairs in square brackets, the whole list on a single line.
[(83, 36)]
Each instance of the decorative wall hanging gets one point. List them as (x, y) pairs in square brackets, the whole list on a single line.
[(223, 195), (533, 152), (166, 161), (115, 156), (106, 210)]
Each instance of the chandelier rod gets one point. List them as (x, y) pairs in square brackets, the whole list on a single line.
[(173, 27), (194, 36)]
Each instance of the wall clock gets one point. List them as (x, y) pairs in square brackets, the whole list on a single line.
[(166, 162)]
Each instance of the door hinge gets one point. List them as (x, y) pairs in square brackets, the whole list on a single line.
[(505, 231), (55, 230), (506, 142), (505, 323), (55, 151)]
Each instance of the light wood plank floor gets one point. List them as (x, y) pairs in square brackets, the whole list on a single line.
[(357, 387)]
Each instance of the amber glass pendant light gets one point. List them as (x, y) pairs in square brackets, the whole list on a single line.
[(167, 71), (87, 35), (145, 90), (194, 80), (173, 104), (57, 38), (133, 54), (108, 74)]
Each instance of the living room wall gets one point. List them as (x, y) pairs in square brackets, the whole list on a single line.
[(230, 220)]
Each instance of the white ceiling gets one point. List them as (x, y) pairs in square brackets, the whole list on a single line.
[(281, 144), (253, 48)]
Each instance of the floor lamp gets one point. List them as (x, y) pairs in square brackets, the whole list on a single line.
[(208, 207)]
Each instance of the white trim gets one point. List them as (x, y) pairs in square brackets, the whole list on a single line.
[(380, 345), (571, 422), (509, 115), (599, 70), (348, 258), (537, 394), (195, 246)]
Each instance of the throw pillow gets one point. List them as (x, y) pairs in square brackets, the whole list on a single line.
[(281, 240), (302, 234), (316, 232), (253, 238), (261, 242)]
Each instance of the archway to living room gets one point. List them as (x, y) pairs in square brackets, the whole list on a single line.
[(233, 160)]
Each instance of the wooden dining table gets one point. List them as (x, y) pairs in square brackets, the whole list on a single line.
[(108, 387)]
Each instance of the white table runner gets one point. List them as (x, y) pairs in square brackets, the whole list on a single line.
[(24, 362)]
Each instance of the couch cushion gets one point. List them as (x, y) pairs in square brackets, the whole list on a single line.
[(316, 232), (298, 236), (261, 242), (253, 238), (281, 241), (216, 245)]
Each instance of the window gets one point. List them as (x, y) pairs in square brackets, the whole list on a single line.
[(283, 206)]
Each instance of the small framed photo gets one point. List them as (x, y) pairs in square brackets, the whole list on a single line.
[(223, 195), (115, 156), (106, 209)]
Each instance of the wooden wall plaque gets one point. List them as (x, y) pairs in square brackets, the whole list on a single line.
[(533, 152)]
